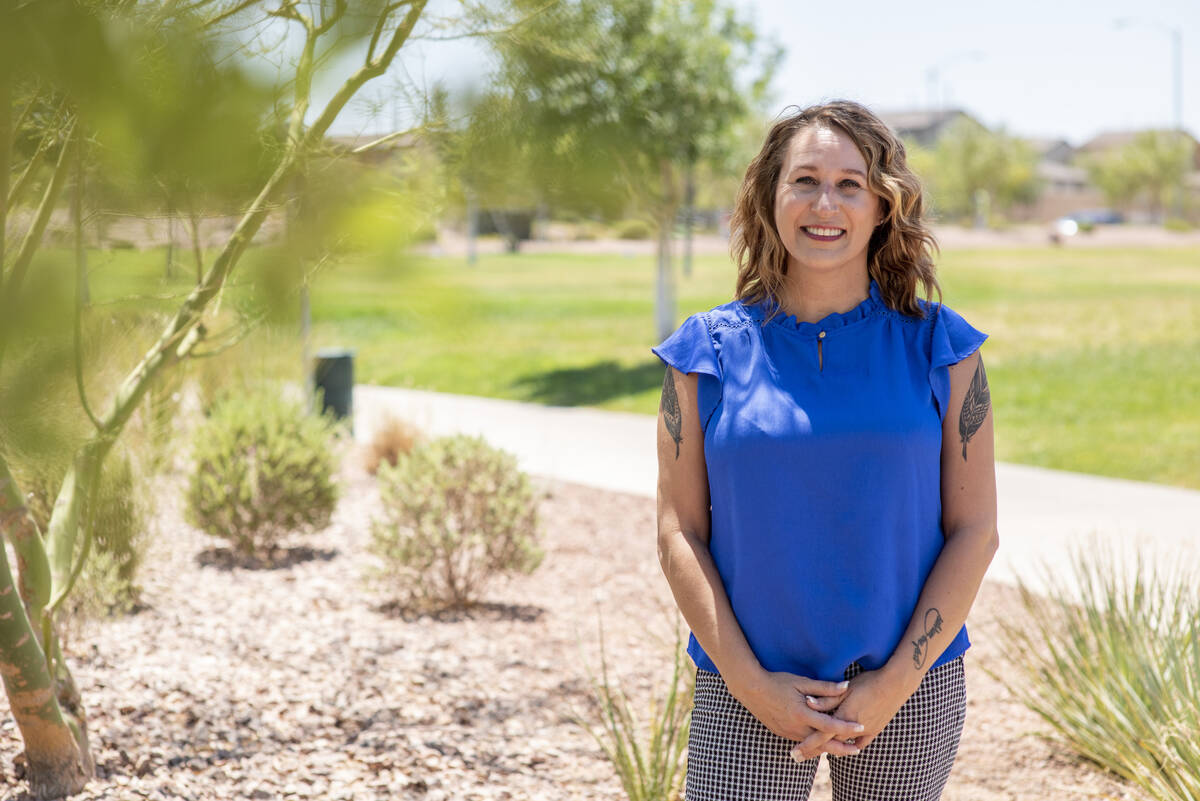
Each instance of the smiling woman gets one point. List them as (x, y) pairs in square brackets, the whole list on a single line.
[(827, 502)]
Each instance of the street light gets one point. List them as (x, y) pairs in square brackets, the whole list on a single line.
[(937, 93)]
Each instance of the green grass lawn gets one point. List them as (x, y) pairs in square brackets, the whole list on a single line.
[(1094, 356)]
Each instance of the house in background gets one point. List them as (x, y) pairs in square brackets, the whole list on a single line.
[(1065, 186), (925, 126)]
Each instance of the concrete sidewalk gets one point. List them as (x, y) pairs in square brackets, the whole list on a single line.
[(1043, 514)]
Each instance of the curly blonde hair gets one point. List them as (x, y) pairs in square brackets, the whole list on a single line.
[(900, 251)]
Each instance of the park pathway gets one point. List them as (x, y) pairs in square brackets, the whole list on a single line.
[(1043, 514)]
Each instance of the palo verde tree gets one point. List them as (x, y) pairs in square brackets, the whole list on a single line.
[(151, 89), (633, 94)]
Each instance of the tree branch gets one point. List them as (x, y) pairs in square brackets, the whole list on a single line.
[(33, 237), (35, 161), (19, 528), (80, 284), (371, 69), (339, 11), (6, 131), (224, 15)]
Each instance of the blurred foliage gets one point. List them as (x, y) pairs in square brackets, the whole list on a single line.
[(1153, 166), (456, 512), (119, 518), (615, 97), (972, 172), (633, 229), (264, 468), (392, 440)]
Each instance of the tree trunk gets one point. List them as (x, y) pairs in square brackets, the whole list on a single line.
[(664, 285), (472, 227), (689, 212), (58, 761)]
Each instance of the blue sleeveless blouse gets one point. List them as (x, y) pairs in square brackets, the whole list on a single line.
[(824, 473)]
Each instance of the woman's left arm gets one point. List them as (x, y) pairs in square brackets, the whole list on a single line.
[(969, 523)]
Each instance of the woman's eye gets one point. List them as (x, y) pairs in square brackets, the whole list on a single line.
[(849, 184), (807, 179)]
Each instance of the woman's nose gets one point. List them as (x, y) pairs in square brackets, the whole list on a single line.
[(826, 200)]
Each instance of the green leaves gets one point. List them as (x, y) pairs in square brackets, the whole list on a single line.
[(609, 91), (456, 511), (263, 469), (1111, 661)]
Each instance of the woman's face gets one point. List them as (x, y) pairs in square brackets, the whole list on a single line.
[(824, 212)]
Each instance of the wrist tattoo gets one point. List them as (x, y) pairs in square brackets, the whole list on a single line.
[(933, 627), (975, 407), (672, 415)]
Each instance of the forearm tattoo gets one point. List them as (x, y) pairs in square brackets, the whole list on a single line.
[(933, 627), (669, 407), (975, 407)]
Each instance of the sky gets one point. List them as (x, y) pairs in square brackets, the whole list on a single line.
[(1037, 68)]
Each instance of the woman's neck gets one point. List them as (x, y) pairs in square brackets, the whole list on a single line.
[(813, 298)]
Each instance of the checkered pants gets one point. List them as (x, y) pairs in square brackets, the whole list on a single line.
[(733, 757)]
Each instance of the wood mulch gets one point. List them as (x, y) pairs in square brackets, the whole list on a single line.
[(300, 680)]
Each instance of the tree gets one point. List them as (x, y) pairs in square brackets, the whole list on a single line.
[(149, 86), (971, 171), (1154, 165), (632, 95)]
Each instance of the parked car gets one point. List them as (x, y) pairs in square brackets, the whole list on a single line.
[(1086, 217)]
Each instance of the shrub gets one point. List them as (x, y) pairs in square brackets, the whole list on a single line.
[(392, 439), (1111, 661), (633, 229), (1177, 225), (263, 468), (647, 755), (456, 511)]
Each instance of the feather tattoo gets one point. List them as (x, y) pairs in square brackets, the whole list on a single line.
[(672, 416), (975, 407)]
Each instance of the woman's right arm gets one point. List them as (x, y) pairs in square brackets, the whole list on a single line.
[(776, 699)]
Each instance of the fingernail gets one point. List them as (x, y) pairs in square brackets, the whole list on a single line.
[(860, 727), (811, 700), (845, 685)]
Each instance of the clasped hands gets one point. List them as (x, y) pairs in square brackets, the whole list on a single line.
[(824, 716)]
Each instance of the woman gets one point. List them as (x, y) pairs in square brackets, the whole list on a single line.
[(827, 502)]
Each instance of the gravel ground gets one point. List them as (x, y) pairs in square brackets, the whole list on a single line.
[(298, 680)]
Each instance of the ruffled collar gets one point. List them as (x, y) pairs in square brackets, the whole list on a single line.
[(872, 303)]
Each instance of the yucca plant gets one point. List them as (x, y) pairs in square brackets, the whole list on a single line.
[(1111, 661), (647, 754)]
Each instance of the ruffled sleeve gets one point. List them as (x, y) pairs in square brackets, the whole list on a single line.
[(691, 349), (954, 339)]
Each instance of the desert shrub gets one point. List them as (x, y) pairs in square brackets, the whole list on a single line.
[(456, 512), (264, 468), (392, 439), (107, 584), (647, 754), (587, 232), (1110, 659), (633, 229)]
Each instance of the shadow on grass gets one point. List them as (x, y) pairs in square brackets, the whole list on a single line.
[(595, 383)]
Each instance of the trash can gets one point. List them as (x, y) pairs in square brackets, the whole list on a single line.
[(334, 381)]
